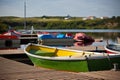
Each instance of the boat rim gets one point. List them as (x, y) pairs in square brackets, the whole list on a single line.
[(101, 55), (113, 51)]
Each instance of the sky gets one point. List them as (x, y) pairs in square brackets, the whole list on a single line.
[(76, 8)]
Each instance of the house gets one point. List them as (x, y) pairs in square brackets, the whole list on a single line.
[(67, 17), (91, 17), (84, 18), (104, 17)]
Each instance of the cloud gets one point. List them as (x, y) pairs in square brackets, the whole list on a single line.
[(60, 7)]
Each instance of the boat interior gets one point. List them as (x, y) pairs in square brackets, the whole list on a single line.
[(56, 52)]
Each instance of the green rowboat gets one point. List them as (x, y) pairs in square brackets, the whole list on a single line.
[(70, 60)]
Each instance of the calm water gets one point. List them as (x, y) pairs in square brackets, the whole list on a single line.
[(80, 30), (108, 35), (74, 30)]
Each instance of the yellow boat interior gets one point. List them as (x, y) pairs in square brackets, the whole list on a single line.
[(57, 52)]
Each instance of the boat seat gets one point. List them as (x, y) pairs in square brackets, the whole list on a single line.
[(42, 53), (78, 55), (82, 54)]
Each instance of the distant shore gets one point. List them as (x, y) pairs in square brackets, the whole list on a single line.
[(52, 22)]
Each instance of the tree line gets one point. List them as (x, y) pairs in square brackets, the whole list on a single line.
[(51, 22)]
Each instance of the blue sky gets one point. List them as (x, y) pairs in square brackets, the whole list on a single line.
[(81, 8)]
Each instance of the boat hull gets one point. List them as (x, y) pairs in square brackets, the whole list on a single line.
[(9, 44), (113, 48), (69, 63), (57, 41), (75, 65)]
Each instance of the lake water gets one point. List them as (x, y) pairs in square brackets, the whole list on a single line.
[(108, 36), (80, 30), (74, 30)]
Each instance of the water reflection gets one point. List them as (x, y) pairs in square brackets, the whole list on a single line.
[(106, 35), (82, 43), (77, 44), (111, 37)]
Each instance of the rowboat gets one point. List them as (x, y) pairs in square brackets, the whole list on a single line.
[(48, 38), (10, 40), (70, 60), (82, 37), (112, 48)]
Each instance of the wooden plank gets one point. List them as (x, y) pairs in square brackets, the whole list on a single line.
[(15, 70), (108, 75), (84, 48), (11, 51), (87, 48), (28, 38)]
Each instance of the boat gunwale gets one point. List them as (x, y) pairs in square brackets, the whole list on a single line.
[(98, 56), (113, 50)]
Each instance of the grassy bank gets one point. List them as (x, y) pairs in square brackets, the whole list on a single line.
[(51, 22)]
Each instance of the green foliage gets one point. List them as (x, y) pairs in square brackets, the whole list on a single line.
[(3, 27), (56, 22)]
